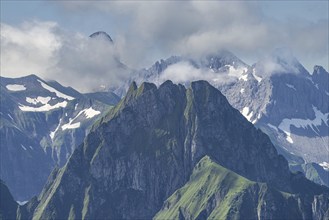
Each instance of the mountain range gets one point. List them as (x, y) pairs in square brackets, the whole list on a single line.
[(174, 152), (237, 145), (277, 94), (41, 124)]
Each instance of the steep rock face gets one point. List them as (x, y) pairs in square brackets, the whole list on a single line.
[(10, 209), (277, 94), (8, 206), (320, 206), (292, 108), (312, 171), (146, 147), (289, 103)]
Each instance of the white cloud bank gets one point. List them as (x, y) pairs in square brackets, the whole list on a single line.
[(198, 27), (29, 48), (148, 31), (43, 48)]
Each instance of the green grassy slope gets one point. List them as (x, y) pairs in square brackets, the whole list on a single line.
[(214, 192)]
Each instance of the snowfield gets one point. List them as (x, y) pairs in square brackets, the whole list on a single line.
[(37, 100), (245, 112), (88, 113), (303, 123), (15, 87), (70, 125), (43, 108), (291, 86), (51, 89), (325, 165)]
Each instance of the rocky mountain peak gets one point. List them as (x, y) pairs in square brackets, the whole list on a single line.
[(320, 79), (146, 148), (222, 58), (132, 88), (101, 35), (319, 70), (146, 86), (280, 61)]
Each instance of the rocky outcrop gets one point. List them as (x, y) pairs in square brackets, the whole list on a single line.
[(8, 206), (320, 206)]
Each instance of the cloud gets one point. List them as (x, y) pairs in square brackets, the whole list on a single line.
[(43, 48), (88, 63), (29, 48), (149, 31), (163, 28), (280, 61), (183, 72)]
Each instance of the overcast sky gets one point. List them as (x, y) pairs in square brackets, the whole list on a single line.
[(50, 38)]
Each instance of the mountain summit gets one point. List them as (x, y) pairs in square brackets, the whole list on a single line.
[(161, 146), (280, 61), (101, 35)]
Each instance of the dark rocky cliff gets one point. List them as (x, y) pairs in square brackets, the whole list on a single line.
[(146, 148)]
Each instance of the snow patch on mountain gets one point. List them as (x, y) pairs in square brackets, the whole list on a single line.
[(24, 148), (245, 112), (236, 72), (58, 94), (15, 87), (44, 108), (256, 119), (21, 203), (288, 138), (259, 79), (71, 125), (273, 127), (37, 100), (10, 117), (291, 86), (52, 134), (325, 165), (90, 112), (241, 91), (244, 77), (303, 123)]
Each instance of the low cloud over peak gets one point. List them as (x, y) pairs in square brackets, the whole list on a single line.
[(148, 31), (73, 59)]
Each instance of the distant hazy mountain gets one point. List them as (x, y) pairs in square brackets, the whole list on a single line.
[(177, 153), (41, 124), (292, 107)]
